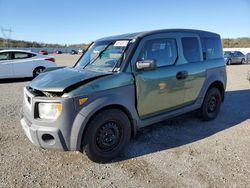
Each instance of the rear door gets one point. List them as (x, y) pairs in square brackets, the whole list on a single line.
[(23, 64), (159, 90), (194, 65), (6, 70), (240, 56), (235, 58)]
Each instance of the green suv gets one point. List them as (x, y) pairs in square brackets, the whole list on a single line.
[(123, 83)]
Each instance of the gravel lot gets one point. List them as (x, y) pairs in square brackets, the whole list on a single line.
[(181, 152)]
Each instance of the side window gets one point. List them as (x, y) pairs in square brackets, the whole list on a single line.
[(4, 56), (240, 54), (21, 55), (211, 48), (191, 49), (163, 51)]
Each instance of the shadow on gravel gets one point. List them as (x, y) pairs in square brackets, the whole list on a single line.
[(187, 128), (14, 80)]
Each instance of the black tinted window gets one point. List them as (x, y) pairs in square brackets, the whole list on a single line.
[(4, 56), (163, 51), (191, 49), (211, 48)]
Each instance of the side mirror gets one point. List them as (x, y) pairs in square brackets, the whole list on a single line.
[(146, 65)]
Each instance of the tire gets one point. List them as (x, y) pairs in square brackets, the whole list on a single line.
[(37, 71), (107, 135), (211, 104), (229, 62), (243, 61)]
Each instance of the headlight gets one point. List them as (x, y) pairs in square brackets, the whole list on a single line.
[(50, 111)]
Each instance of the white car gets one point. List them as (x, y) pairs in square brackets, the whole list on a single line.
[(21, 63)]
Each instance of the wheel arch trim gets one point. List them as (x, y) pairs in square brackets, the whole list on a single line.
[(87, 113)]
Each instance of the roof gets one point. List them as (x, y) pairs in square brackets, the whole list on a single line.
[(15, 50), (131, 36)]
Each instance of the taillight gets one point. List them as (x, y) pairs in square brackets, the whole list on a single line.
[(50, 59)]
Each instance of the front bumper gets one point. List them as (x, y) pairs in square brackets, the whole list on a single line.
[(44, 133), (45, 137)]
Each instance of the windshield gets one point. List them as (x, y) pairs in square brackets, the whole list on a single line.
[(103, 55)]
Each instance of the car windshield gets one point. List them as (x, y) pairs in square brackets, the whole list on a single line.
[(103, 55)]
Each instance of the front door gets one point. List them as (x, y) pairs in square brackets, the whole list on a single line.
[(162, 89)]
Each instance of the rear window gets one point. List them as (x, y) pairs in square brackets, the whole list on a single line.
[(240, 54), (22, 55), (191, 49), (211, 48)]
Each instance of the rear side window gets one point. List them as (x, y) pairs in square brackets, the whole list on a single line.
[(191, 49), (163, 51), (21, 55), (211, 48), (240, 54), (4, 56)]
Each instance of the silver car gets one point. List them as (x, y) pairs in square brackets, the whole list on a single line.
[(234, 57)]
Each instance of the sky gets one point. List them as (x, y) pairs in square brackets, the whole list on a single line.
[(82, 21)]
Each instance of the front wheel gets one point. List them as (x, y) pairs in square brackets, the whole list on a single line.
[(107, 135), (243, 61), (229, 62), (211, 104)]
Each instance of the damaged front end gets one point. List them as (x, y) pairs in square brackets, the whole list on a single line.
[(57, 82), (46, 103)]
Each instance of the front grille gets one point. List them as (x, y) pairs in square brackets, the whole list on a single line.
[(35, 92), (39, 93)]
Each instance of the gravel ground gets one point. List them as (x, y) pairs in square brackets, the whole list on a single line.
[(181, 152)]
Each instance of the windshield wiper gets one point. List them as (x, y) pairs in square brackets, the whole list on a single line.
[(99, 55), (83, 54)]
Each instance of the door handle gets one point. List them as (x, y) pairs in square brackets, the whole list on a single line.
[(181, 75)]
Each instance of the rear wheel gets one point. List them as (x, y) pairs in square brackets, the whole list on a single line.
[(211, 104), (38, 71), (107, 135)]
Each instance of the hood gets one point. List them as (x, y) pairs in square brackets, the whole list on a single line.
[(64, 79)]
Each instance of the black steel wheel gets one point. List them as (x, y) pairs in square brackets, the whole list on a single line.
[(211, 104), (107, 135)]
